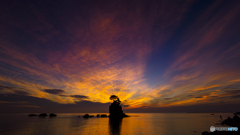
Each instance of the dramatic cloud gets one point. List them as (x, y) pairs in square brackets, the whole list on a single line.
[(54, 91), (29, 104), (21, 92), (12, 90), (149, 53), (79, 96)]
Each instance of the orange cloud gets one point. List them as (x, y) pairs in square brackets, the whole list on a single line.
[(108, 54), (208, 87)]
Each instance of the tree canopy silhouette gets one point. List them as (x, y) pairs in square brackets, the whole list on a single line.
[(115, 99), (115, 109)]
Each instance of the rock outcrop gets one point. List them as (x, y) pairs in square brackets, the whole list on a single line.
[(42, 115), (52, 115), (103, 115), (32, 115), (87, 116), (115, 109), (233, 122), (237, 113)]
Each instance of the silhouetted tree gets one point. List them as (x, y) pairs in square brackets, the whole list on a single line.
[(115, 99), (115, 109)]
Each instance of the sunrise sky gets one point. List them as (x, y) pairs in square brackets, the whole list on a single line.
[(157, 56)]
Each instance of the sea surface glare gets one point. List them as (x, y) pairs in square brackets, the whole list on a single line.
[(136, 124)]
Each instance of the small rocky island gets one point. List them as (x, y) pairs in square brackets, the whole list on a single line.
[(115, 109), (231, 122), (43, 115)]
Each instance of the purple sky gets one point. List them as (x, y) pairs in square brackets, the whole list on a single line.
[(156, 56)]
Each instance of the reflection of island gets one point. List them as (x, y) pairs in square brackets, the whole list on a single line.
[(115, 126), (115, 109), (116, 115)]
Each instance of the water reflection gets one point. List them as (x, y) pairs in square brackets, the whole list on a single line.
[(115, 126), (145, 123)]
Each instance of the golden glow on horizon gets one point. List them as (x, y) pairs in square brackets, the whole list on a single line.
[(113, 56)]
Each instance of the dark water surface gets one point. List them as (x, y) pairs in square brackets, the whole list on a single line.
[(137, 124)]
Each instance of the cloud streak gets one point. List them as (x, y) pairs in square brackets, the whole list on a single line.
[(54, 91), (89, 52)]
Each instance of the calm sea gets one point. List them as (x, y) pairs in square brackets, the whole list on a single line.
[(137, 124)]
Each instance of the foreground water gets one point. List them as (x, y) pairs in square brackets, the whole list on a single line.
[(137, 124)]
